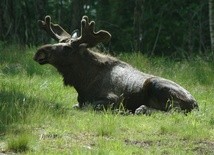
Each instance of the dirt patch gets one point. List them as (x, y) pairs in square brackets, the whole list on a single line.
[(204, 147), (139, 143), (200, 147)]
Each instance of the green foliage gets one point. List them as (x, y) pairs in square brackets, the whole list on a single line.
[(36, 115)]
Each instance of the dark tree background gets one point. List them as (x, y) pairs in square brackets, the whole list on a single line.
[(169, 27)]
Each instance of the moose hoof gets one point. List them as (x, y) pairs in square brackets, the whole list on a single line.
[(76, 106), (142, 110)]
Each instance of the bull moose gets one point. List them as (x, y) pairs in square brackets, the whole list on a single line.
[(101, 80)]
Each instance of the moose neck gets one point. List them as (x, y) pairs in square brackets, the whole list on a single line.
[(84, 70)]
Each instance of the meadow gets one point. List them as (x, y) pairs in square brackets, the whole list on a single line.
[(36, 115)]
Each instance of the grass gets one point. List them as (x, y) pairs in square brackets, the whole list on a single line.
[(18, 144), (36, 115)]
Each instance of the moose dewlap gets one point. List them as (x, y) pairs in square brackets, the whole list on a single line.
[(103, 81)]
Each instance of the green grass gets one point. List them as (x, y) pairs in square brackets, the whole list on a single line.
[(36, 115), (18, 144)]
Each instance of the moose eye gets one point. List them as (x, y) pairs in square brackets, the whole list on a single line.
[(41, 56)]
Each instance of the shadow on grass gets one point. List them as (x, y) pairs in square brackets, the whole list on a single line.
[(28, 67), (15, 107), (16, 60)]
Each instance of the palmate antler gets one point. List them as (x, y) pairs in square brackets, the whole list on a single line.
[(88, 35), (54, 30)]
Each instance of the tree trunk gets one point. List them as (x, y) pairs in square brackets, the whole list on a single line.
[(211, 20), (138, 11), (40, 8), (1, 22), (77, 13)]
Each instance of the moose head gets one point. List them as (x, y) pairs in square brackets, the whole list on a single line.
[(69, 45)]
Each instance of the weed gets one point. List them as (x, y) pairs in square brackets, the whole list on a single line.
[(18, 144), (107, 125)]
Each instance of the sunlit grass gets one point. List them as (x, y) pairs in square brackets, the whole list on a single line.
[(36, 115)]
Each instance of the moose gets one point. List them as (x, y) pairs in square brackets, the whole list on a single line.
[(104, 81)]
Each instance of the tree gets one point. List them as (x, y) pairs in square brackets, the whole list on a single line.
[(1, 22), (77, 13), (138, 11), (211, 22)]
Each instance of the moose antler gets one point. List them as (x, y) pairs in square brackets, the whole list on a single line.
[(88, 35), (54, 30)]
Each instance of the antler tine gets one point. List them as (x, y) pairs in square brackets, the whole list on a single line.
[(54, 30), (90, 37)]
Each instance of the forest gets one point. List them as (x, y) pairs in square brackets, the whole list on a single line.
[(166, 27)]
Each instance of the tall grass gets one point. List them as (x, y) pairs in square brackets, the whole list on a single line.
[(19, 143), (36, 115)]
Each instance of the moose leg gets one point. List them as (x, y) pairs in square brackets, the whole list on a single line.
[(102, 104), (137, 104), (143, 109), (96, 105), (81, 102), (163, 94), (105, 101), (110, 101)]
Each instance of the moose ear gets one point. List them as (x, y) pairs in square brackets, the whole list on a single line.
[(75, 34)]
